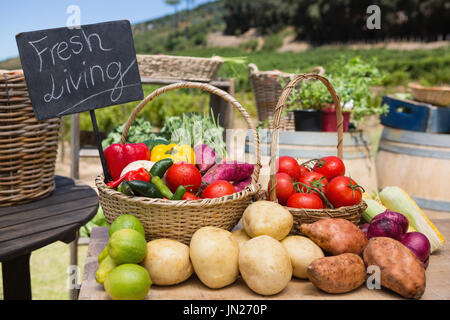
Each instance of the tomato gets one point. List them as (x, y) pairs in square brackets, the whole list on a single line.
[(284, 187), (217, 189), (185, 174), (290, 166), (303, 170), (315, 180), (330, 167), (305, 200), (343, 191), (189, 196)]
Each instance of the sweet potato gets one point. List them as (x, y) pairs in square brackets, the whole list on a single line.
[(337, 274), (230, 171), (336, 235), (401, 270), (240, 185)]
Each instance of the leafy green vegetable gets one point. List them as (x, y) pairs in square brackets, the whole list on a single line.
[(98, 220), (140, 130), (193, 128)]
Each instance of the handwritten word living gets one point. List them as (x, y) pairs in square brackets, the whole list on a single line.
[(66, 54)]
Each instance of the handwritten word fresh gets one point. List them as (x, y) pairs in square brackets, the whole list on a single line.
[(70, 70)]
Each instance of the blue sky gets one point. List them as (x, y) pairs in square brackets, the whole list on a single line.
[(28, 15)]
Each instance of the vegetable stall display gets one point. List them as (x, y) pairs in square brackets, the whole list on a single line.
[(189, 186)]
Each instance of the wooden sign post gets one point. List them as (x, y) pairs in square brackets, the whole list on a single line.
[(71, 70)]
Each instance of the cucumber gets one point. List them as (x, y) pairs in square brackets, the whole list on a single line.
[(144, 189), (160, 167)]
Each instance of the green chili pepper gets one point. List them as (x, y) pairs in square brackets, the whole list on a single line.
[(145, 189), (160, 167), (159, 184), (125, 188), (179, 193)]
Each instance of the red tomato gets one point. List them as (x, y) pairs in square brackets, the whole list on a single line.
[(303, 170), (218, 188), (305, 200), (185, 174), (343, 191), (315, 180), (284, 187), (330, 167), (189, 196), (290, 166)]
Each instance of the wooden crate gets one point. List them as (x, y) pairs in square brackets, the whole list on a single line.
[(416, 116)]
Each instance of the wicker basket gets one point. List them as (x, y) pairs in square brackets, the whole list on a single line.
[(28, 147), (352, 213), (179, 220), (439, 96), (179, 67), (267, 90)]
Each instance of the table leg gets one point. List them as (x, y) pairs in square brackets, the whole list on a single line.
[(16, 278)]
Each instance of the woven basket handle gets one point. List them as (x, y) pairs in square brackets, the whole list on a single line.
[(208, 88), (281, 104)]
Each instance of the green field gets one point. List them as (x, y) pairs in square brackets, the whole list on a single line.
[(400, 68)]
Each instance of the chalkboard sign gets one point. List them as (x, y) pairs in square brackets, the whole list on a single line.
[(73, 70)]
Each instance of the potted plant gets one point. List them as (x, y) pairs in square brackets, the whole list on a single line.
[(352, 81), (306, 103)]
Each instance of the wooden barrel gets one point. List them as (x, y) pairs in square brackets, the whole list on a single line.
[(305, 145), (417, 162)]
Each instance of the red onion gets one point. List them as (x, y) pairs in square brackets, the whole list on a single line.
[(419, 244), (394, 216), (385, 227), (365, 227)]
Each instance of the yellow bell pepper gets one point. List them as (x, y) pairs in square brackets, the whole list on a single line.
[(177, 153)]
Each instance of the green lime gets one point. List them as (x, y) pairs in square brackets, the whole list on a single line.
[(102, 254), (106, 266), (127, 246), (126, 221), (128, 282)]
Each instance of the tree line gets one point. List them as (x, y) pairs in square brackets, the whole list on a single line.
[(324, 21)]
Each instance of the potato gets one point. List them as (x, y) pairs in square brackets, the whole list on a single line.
[(401, 270), (214, 255), (167, 262), (267, 218), (337, 274), (265, 265), (240, 236), (336, 236), (302, 252)]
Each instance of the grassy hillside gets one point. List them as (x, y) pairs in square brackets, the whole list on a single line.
[(10, 64)]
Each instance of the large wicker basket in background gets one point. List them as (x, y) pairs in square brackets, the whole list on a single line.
[(28, 147), (267, 90), (351, 213), (438, 96), (179, 220), (178, 67)]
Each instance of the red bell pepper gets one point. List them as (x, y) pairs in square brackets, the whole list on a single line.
[(118, 156)]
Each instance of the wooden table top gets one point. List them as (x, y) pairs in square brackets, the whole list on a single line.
[(26, 227), (437, 285)]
